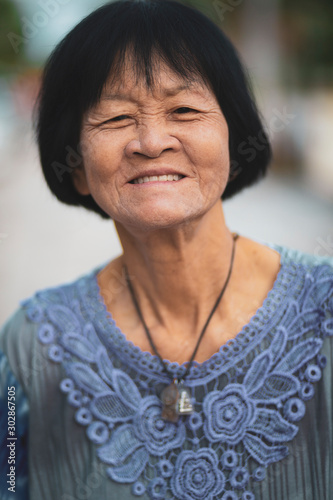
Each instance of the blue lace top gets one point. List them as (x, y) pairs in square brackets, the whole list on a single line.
[(90, 416)]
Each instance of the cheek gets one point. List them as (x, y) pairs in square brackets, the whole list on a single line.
[(100, 162), (212, 154)]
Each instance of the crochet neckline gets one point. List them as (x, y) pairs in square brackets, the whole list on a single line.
[(132, 353)]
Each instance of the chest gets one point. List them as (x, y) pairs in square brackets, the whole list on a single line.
[(178, 342)]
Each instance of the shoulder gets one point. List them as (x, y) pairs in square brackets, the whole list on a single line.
[(32, 325), (267, 249), (313, 273), (16, 344), (306, 259), (317, 265), (305, 291), (303, 282), (293, 275)]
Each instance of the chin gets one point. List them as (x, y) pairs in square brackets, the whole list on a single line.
[(157, 219)]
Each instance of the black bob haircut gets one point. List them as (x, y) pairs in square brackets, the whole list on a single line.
[(96, 49)]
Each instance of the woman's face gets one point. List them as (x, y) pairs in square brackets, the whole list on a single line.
[(154, 158)]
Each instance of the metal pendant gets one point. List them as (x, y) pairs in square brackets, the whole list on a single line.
[(176, 401), (184, 402)]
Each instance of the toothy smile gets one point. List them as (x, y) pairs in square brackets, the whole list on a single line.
[(157, 178)]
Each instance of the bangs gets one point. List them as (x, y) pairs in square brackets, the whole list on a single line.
[(145, 36), (146, 66)]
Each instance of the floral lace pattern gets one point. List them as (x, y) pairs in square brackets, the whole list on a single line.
[(249, 397)]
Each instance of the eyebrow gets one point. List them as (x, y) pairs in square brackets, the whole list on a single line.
[(167, 92)]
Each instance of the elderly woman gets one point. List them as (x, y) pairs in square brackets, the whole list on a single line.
[(192, 366)]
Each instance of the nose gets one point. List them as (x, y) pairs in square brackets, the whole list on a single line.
[(152, 140)]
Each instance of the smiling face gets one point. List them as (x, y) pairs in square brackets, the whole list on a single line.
[(154, 158)]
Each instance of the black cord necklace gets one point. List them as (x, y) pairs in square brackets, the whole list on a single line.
[(176, 398)]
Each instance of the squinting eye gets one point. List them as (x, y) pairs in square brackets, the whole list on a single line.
[(183, 111), (118, 118)]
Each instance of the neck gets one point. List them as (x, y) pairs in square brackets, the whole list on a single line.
[(177, 274)]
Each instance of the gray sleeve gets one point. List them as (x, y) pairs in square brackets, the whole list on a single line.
[(63, 464)]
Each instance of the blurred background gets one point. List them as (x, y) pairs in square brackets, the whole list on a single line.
[(287, 47)]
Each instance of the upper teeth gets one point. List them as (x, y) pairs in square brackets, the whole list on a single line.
[(161, 178)]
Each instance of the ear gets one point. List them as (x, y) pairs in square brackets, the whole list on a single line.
[(80, 180)]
